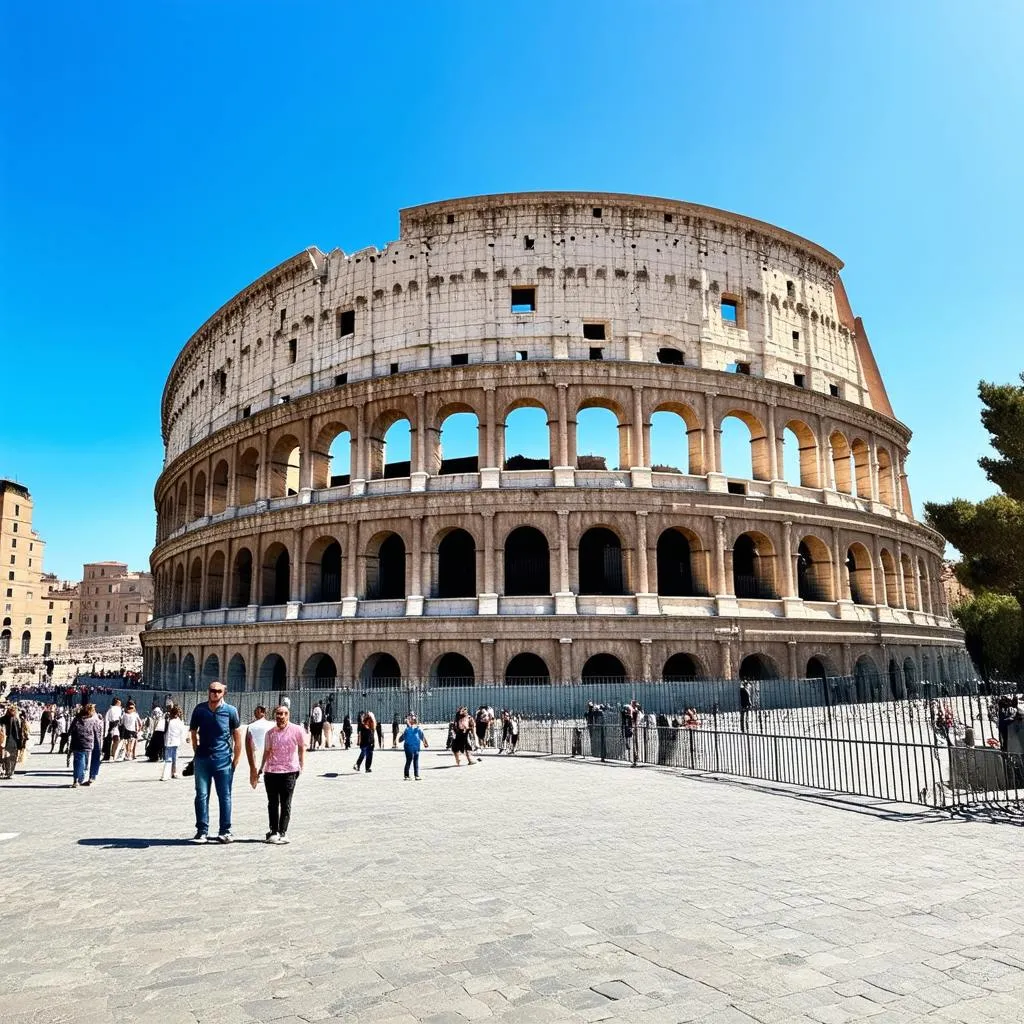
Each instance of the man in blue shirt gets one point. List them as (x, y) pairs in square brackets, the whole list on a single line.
[(217, 743)]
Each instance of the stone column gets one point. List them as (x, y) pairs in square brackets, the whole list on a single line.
[(640, 470), (789, 561), (351, 554), (487, 657), (414, 600), (565, 599), (646, 670), (490, 471), (412, 677), (721, 585), (306, 460), (900, 578), (794, 667), (263, 476), (873, 461), (646, 601), (208, 500), (347, 659), (418, 470), (297, 569), (900, 477), (711, 460), (773, 450), (725, 657), (487, 600), (225, 594), (359, 463), (563, 467), (565, 660), (838, 566)]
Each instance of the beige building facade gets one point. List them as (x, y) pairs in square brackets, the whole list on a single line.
[(112, 601), (297, 542), (34, 622)]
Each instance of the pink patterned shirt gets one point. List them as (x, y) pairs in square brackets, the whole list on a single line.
[(283, 746)]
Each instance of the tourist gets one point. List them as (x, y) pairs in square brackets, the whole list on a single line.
[(157, 729), (174, 735), (395, 725), (412, 739), (690, 720), (316, 726), (61, 728), (86, 735), (112, 722), (462, 726), (346, 732), (255, 734), (284, 757), (482, 721), (217, 744), (26, 733), (12, 741), (746, 703), (329, 723), (131, 726), (44, 724), (366, 738), (506, 732), (379, 726), (513, 733)]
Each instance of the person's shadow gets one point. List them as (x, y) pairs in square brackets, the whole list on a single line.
[(141, 843)]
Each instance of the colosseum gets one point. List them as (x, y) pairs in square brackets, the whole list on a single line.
[(322, 522)]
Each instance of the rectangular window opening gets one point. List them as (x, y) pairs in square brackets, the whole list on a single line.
[(393, 368), (737, 488), (284, 314), (341, 378), (730, 312), (524, 300), (246, 412), (596, 352), (460, 359), (798, 380), (833, 390), (594, 332), (796, 337), (668, 218), (450, 219), (596, 211), (522, 355), (528, 241), (346, 322), (790, 290), (293, 350)]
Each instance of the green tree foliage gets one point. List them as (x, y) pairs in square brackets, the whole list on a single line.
[(994, 633), (990, 533)]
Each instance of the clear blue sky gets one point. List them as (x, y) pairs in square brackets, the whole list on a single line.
[(156, 157)]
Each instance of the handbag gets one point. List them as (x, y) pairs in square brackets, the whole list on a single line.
[(189, 769)]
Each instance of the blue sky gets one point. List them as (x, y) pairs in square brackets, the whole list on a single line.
[(156, 157)]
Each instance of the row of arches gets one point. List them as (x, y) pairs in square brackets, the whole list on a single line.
[(901, 677), (25, 646), (450, 564), (665, 433)]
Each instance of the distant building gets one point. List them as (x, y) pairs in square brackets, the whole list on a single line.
[(956, 593), (34, 621), (111, 600)]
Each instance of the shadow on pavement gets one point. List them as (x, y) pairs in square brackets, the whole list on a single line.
[(140, 843)]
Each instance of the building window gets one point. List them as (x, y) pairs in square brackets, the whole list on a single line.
[(595, 211), (341, 378), (460, 359), (10, 592), (110, 588), (796, 339), (14, 542), (246, 412), (596, 352), (833, 390), (528, 242), (284, 315), (346, 322), (731, 312), (798, 379), (524, 300), (450, 219), (14, 527), (743, 368), (594, 332), (49, 620), (522, 355), (668, 218), (394, 368), (671, 356), (293, 350)]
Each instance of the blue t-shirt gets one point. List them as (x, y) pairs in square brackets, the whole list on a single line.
[(412, 737), (215, 728)]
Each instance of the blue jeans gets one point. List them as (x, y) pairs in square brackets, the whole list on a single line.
[(221, 774), (412, 757), (95, 761), (80, 759), (365, 753)]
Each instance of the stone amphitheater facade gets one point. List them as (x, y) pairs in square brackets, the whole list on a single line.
[(277, 564)]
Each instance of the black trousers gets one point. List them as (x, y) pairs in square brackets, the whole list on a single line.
[(280, 787)]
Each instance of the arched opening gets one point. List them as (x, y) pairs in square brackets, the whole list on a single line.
[(680, 668), (236, 674), (886, 485), (284, 467), (183, 504), (276, 575), (178, 590), (597, 439), (332, 457), (858, 567), (925, 591), (744, 447), (219, 488), (172, 681), (840, 450), (758, 666), (5, 642), (892, 582), (381, 671), (813, 570), (211, 670), (895, 679), (199, 495), (603, 668), (319, 672), (385, 568), (323, 571), (527, 439), (909, 582), (682, 564), (456, 565), (671, 356), (273, 673), (526, 670), (600, 562), (866, 678), (26, 641), (800, 455), (241, 579), (195, 586), (909, 677), (460, 443), (861, 467), (247, 475), (453, 670), (815, 669), (527, 562), (390, 447), (188, 672), (753, 567), (214, 581)]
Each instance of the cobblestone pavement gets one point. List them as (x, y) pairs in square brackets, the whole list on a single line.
[(524, 889)]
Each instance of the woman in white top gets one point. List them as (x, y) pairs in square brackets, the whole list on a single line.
[(131, 726), (112, 726), (175, 734)]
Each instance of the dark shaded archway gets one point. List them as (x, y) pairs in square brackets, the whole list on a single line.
[(273, 673), (456, 565), (381, 671), (603, 668), (454, 670), (385, 571), (600, 562), (236, 674), (675, 566), (527, 562), (526, 670), (319, 672), (276, 575), (241, 579), (815, 669), (680, 668), (758, 666)]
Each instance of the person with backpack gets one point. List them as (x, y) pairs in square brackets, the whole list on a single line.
[(412, 739), (462, 727)]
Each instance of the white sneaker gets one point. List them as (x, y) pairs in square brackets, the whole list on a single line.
[(273, 837)]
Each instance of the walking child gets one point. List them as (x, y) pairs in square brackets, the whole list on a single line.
[(412, 739)]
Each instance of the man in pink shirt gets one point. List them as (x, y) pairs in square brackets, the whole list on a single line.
[(284, 757)]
